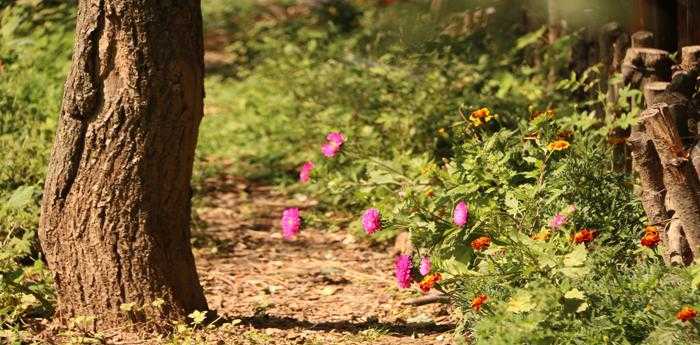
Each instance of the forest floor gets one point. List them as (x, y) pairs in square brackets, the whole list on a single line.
[(323, 287)]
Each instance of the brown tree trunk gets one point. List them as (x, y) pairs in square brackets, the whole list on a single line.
[(681, 182), (116, 209)]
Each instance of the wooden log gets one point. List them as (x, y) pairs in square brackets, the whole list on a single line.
[(642, 39), (677, 251), (681, 182), (607, 38), (642, 65), (690, 58)]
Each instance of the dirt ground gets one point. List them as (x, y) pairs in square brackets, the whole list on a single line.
[(321, 288)]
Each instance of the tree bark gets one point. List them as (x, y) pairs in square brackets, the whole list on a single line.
[(681, 182), (116, 210)]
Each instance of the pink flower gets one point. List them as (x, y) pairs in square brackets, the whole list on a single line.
[(402, 268), (305, 171), (371, 221), (330, 149), (461, 214), (425, 265), (557, 221), (291, 223), (334, 142), (336, 137)]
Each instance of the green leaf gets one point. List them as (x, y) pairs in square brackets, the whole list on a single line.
[(521, 302), (577, 257), (127, 307), (530, 38), (575, 294), (198, 316), (21, 198)]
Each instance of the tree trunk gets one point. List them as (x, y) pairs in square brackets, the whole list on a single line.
[(116, 209)]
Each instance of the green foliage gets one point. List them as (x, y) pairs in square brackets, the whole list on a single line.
[(403, 98), (401, 85), (35, 46)]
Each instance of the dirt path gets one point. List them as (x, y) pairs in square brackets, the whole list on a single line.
[(322, 288)]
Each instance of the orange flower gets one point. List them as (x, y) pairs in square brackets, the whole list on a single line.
[(584, 236), (429, 281), (686, 314), (558, 145), (651, 237), (480, 117), (479, 301), (481, 243)]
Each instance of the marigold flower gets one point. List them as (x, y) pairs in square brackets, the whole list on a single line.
[(291, 223), (371, 221), (425, 265), (584, 236), (478, 302), (557, 221), (402, 270), (686, 314), (651, 237), (542, 235), (558, 145), (461, 214), (480, 117), (481, 243), (429, 281), (305, 172)]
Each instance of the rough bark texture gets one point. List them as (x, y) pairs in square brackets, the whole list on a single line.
[(642, 39), (681, 182), (116, 209), (646, 64)]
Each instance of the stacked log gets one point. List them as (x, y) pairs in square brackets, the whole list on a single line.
[(664, 144)]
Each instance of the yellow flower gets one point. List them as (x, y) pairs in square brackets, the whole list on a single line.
[(558, 145), (480, 117), (542, 235)]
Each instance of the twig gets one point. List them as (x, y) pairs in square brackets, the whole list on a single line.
[(430, 299)]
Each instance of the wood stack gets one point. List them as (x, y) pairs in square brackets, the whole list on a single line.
[(664, 144)]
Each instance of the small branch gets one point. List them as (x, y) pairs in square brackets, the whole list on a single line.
[(430, 299)]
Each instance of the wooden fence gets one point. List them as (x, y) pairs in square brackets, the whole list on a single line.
[(675, 23)]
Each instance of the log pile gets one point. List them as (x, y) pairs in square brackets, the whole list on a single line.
[(664, 144)]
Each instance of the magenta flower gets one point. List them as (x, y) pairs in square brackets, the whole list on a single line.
[(336, 137), (425, 265), (461, 214), (291, 223), (305, 171), (371, 221), (557, 221), (330, 149), (402, 268), (334, 142)]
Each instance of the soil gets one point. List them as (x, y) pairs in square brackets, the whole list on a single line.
[(323, 287)]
